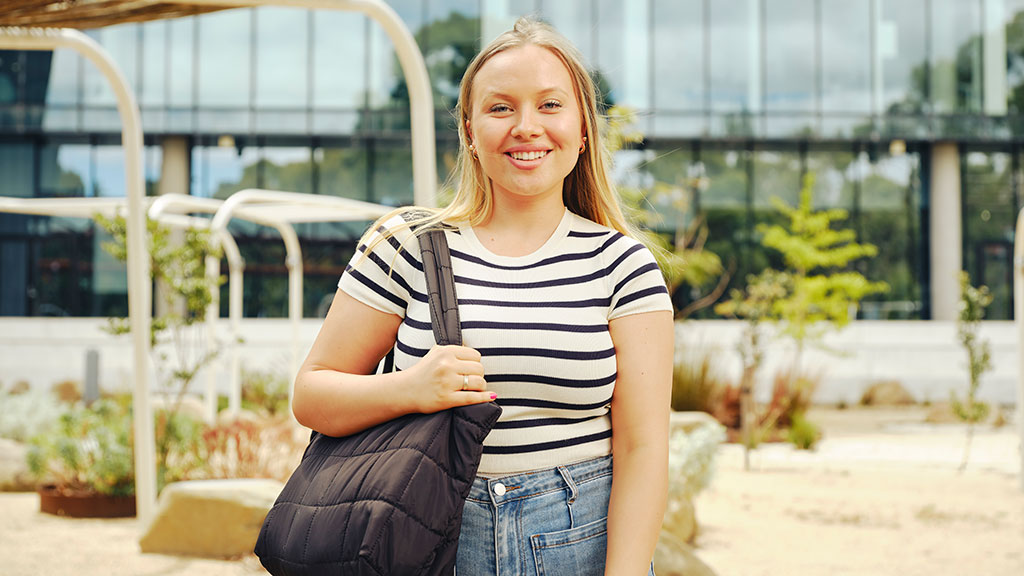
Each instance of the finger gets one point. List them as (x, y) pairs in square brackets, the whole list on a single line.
[(465, 353), (469, 367), (472, 383), (476, 398)]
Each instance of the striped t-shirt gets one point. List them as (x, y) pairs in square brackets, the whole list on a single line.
[(540, 323)]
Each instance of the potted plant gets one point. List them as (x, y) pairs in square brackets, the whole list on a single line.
[(85, 462)]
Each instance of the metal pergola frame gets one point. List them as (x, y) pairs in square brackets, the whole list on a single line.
[(42, 18)]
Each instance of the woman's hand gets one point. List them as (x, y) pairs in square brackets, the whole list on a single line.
[(448, 376)]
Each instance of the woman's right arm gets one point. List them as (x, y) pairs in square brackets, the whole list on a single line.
[(337, 392)]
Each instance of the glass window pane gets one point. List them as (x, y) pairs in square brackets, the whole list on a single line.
[(990, 216), (181, 73), (679, 55), (16, 167), (64, 83), (288, 169), (790, 45), (902, 59), (342, 171), (121, 42), (735, 55), (724, 206), (623, 55), (836, 174), (1015, 56), (392, 175), (845, 66), (339, 59), (108, 171), (956, 56), (219, 171), (224, 65), (889, 216), (497, 16), (153, 91), (574, 19), (451, 36), (64, 170), (282, 42)]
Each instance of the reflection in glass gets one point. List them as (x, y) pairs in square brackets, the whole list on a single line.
[(63, 84), (152, 90), (281, 53), (990, 216), (901, 57), (220, 171), (339, 59), (1015, 56), (225, 49), (789, 61), (287, 169), (623, 54), (956, 56), (64, 171), (392, 175), (342, 172), (180, 57), (735, 62), (725, 206), (121, 42), (574, 19), (846, 57), (678, 55), (836, 175)]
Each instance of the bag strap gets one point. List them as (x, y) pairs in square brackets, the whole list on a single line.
[(441, 296)]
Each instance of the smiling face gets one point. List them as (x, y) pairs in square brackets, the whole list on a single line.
[(525, 122)]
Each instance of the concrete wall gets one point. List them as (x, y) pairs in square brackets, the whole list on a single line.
[(923, 355)]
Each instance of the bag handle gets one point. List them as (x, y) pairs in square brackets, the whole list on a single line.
[(441, 297)]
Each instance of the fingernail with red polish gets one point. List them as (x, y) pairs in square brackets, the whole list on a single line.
[(493, 396)]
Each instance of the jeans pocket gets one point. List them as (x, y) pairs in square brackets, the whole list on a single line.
[(579, 551)]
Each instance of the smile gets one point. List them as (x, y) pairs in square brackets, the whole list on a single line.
[(534, 155)]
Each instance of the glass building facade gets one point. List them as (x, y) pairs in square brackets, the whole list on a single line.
[(750, 95)]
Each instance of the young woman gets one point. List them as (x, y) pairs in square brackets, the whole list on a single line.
[(566, 323)]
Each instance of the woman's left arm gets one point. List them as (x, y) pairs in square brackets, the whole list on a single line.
[(644, 348)]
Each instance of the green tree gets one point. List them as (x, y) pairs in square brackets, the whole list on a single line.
[(683, 259), (177, 335), (973, 302), (816, 254)]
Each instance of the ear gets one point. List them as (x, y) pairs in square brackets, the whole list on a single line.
[(469, 131)]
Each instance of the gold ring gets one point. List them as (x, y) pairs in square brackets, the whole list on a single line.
[(465, 381)]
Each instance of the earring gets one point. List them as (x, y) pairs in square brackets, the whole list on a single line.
[(472, 150), (583, 146)]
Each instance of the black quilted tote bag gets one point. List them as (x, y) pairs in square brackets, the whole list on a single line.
[(388, 500)]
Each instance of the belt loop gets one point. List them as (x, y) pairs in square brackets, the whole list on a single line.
[(569, 482)]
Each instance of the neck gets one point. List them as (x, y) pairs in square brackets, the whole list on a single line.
[(518, 225)]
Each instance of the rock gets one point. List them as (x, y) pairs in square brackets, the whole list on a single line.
[(210, 518), (14, 473), (887, 393), (690, 421), (675, 558), (680, 519)]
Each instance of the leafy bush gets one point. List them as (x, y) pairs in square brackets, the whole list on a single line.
[(29, 413), (264, 392), (696, 383), (88, 450), (803, 433), (691, 458)]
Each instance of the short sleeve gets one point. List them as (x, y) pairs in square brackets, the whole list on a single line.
[(382, 278), (638, 285)]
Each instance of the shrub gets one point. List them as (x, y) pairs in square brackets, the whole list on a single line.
[(264, 392), (696, 383), (803, 433), (691, 458), (27, 414)]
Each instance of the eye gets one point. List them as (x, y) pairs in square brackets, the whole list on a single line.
[(498, 108), (551, 105)]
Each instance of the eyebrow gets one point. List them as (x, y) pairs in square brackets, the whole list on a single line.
[(545, 91)]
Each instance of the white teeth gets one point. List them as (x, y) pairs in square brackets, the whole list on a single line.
[(529, 155)]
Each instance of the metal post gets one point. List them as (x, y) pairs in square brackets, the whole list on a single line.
[(139, 288), (1018, 315)]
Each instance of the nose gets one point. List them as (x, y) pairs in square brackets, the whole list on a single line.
[(527, 125)]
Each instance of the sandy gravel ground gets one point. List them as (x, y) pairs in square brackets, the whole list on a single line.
[(881, 496)]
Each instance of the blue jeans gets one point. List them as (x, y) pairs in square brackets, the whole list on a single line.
[(546, 522)]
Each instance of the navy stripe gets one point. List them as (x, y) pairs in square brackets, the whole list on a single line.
[(538, 422), (524, 448), (392, 275), (409, 350), (629, 252), (482, 325), (575, 234), (589, 303), (551, 380), (375, 287), (538, 403), (546, 262), (548, 353), (641, 294), (638, 272), (420, 325)]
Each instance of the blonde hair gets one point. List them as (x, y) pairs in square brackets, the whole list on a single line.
[(587, 190)]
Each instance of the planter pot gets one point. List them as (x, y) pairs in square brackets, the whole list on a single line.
[(77, 504)]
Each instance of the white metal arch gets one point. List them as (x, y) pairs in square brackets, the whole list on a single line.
[(1018, 315), (139, 289)]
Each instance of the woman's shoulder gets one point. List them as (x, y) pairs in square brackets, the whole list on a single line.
[(610, 238)]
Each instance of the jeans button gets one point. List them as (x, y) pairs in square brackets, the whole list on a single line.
[(499, 489)]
